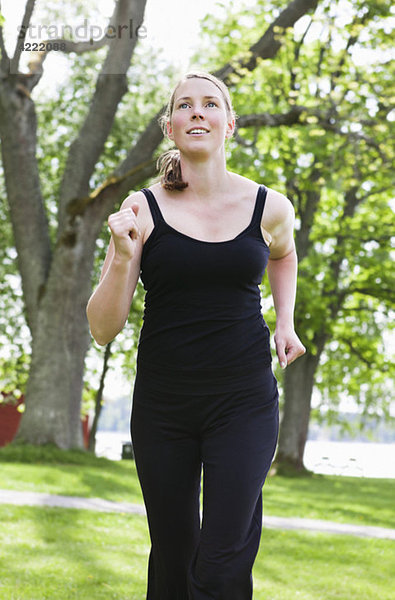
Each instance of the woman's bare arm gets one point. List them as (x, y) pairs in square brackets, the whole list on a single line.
[(282, 271), (109, 305)]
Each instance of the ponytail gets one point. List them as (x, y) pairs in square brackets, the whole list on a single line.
[(169, 166)]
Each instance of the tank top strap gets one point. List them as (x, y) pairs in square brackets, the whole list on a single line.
[(153, 205), (259, 206)]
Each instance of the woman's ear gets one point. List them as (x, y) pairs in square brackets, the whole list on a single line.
[(169, 130), (230, 129)]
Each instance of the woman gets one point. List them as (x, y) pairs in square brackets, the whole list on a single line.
[(204, 394)]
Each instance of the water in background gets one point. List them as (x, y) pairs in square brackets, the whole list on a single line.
[(109, 443), (356, 459)]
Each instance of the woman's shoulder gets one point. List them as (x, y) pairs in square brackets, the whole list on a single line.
[(276, 202), (242, 185), (278, 215), (278, 209), (144, 218), (134, 198)]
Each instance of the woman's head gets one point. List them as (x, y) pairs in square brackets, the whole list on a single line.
[(180, 110), (166, 117)]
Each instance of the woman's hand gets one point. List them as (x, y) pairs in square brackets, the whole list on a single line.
[(288, 345), (124, 231)]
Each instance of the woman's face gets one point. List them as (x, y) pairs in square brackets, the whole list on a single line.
[(199, 122)]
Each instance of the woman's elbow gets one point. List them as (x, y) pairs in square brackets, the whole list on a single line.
[(100, 337)]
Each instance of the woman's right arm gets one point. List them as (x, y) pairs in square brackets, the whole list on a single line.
[(109, 305)]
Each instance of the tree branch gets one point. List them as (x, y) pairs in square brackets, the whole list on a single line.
[(268, 45), (273, 120), (381, 292), (37, 59), (4, 59), (296, 115), (99, 398), (111, 86), (374, 192), (112, 186), (145, 146), (355, 351), (297, 54), (29, 8)]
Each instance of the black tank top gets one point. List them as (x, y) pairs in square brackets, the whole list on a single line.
[(203, 326)]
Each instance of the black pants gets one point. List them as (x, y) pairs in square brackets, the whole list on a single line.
[(233, 436)]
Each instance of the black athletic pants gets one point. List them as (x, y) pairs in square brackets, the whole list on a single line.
[(233, 436)]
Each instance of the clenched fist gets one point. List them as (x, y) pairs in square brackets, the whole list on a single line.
[(125, 231)]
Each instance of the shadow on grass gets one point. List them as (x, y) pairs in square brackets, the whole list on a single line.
[(347, 499), (50, 469), (56, 553), (108, 485), (312, 566)]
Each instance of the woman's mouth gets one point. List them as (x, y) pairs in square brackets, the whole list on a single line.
[(197, 131)]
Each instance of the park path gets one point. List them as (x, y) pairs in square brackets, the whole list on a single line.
[(270, 522)]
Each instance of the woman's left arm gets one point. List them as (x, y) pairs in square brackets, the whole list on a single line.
[(282, 271)]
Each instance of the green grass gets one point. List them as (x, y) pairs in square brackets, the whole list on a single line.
[(311, 566), (353, 500), (356, 500), (65, 554), (60, 554), (74, 473)]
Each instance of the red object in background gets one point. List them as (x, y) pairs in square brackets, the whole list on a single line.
[(85, 430), (10, 418)]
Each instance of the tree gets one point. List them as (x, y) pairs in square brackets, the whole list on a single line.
[(347, 179), (56, 270), (14, 338), (321, 131)]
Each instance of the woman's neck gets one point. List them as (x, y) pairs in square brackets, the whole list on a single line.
[(205, 178)]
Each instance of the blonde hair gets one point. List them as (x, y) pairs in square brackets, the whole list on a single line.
[(169, 163)]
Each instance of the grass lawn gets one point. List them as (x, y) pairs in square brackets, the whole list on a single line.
[(69, 474), (342, 499), (356, 500), (65, 554)]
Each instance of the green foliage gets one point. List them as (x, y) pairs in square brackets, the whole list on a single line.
[(334, 164), (61, 114), (61, 110), (14, 334)]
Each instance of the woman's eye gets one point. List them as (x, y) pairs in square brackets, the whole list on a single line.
[(183, 105), (211, 104)]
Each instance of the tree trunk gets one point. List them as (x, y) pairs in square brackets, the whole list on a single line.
[(61, 340), (99, 399), (298, 389)]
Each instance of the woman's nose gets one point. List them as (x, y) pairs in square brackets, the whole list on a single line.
[(197, 114)]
